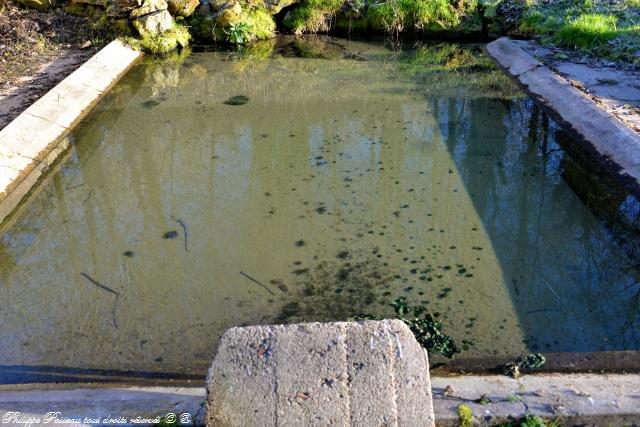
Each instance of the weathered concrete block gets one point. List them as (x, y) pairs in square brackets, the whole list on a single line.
[(345, 373)]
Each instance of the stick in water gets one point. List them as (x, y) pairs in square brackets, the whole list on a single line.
[(255, 281), (184, 228), (105, 288)]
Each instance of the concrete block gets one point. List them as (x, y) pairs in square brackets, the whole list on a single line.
[(345, 373), (312, 386)]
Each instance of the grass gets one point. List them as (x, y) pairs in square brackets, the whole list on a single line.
[(587, 30), (313, 16), (610, 31), (389, 16)]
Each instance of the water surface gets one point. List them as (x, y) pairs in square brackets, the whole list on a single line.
[(350, 174)]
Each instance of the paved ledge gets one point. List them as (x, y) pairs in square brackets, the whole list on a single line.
[(572, 399), (575, 399), (611, 142), (92, 406), (370, 373), (32, 142)]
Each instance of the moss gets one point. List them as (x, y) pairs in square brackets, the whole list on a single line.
[(261, 23), (176, 37), (313, 16), (465, 416), (235, 24)]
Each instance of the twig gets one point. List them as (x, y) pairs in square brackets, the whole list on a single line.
[(87, 199), (184, 228), (551, 289), (544, 310), (255, 281), (75, 186), (105, 288)]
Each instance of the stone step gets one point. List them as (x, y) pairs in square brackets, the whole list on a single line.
[(371, 373)]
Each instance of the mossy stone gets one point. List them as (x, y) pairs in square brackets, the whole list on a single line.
[(41, 5), (182, 7)]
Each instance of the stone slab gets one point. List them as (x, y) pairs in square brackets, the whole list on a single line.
[(92, 406), (32, 142), (511, 56), (571, 399), (612, 143), (575, 399), (343, 373)]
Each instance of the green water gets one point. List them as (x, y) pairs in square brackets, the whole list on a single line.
[(353, 175)]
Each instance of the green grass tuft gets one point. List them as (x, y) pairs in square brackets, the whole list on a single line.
[(587, 31), (465, 416)]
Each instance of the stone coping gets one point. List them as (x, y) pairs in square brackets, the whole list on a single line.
[(609, 141), (573, 399), (35, 139)]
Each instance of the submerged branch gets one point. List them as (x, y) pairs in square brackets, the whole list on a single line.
[(184, 228), (256, 282), (108, 289)]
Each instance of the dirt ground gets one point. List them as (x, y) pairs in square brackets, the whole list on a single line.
[(37, 51)]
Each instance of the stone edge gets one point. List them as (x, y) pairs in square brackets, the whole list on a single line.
[(33, 141), (584, 399), (612, 144), (569, 399)]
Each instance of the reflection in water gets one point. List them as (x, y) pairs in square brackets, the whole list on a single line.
[(345, 179)]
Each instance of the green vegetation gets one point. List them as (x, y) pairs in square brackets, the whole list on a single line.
[(425, 328), (513, 398), (587, 30), (465, 415), (260, 25), (603, 28), (533, 421), (388, 16), (465, 419), (178, 36), (598, 28), (313, 16), (529, 361)]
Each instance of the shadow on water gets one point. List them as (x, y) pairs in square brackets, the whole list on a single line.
[(588, 299)]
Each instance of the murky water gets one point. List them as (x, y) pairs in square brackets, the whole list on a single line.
[(349, 175)]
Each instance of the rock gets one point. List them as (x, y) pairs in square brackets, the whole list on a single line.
[(204, 9), (41, 5), (149, 6), (275, 6), (218, 4), (103, 3), (230, 13), (124, 7), (272, 6), (182, 7), (154, 23), (369, 373)]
